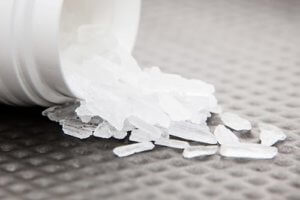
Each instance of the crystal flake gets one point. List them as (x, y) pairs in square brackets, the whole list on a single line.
[(61, 112), (225, 136), (140, 136), (78, 129), (196, 151), (194, 132), (248, 150), (152, 131), (131, 149), (235, 122), (270, 135), (104, 130), (178, 144)]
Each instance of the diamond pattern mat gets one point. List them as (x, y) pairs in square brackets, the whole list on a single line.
[(250, 50)]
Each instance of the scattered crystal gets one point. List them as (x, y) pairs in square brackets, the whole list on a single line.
[(270, 135), (225, 136), (196, 151), (131, 149), (248, 150), (61, 112), (175, 109), (120, 135), (138, 135), (194, 132), (78, 129), (127, 126), (152, 131), (235, 122), (104, 130), (178, 144)]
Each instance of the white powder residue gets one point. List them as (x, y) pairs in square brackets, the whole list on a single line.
[(117, 99)]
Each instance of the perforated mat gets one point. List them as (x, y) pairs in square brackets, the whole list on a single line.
[(250, 50)]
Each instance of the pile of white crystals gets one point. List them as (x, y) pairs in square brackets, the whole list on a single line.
[(117, 99)]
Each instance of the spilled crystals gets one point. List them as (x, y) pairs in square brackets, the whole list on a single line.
[(117, 99), (197, 151)]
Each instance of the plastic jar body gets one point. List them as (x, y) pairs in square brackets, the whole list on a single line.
[(30, 63)]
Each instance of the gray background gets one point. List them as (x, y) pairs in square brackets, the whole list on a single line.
[(248, 49)]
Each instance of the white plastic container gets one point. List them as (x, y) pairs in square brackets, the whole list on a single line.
[(30, 64)]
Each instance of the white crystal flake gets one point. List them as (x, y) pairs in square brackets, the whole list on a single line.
[(248, 150), (197, 151), (235, 122), (77, 129), (120, 135), (61, 112), (225, 136), (152, 131), (174, 108), (140, 136), (194, 132), (104, 130), (270, 135), (131, 149), (172, 143)]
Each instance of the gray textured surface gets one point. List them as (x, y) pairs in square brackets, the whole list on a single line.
[(249, 49)]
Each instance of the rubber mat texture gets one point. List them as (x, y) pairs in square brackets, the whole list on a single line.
[(248, 49)]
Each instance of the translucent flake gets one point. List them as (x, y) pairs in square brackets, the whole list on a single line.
[(196, 151), (194, 132), (127, 126), (270, 135), (104, 130), (178, 144), (248, 150), (175, 109), (200, 117), (152, 131), (120, 135), (83, 113), (138, 135), (61, 112), (86, 119), (131, 149), (235, 122), (225, 136), (76, 128)]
